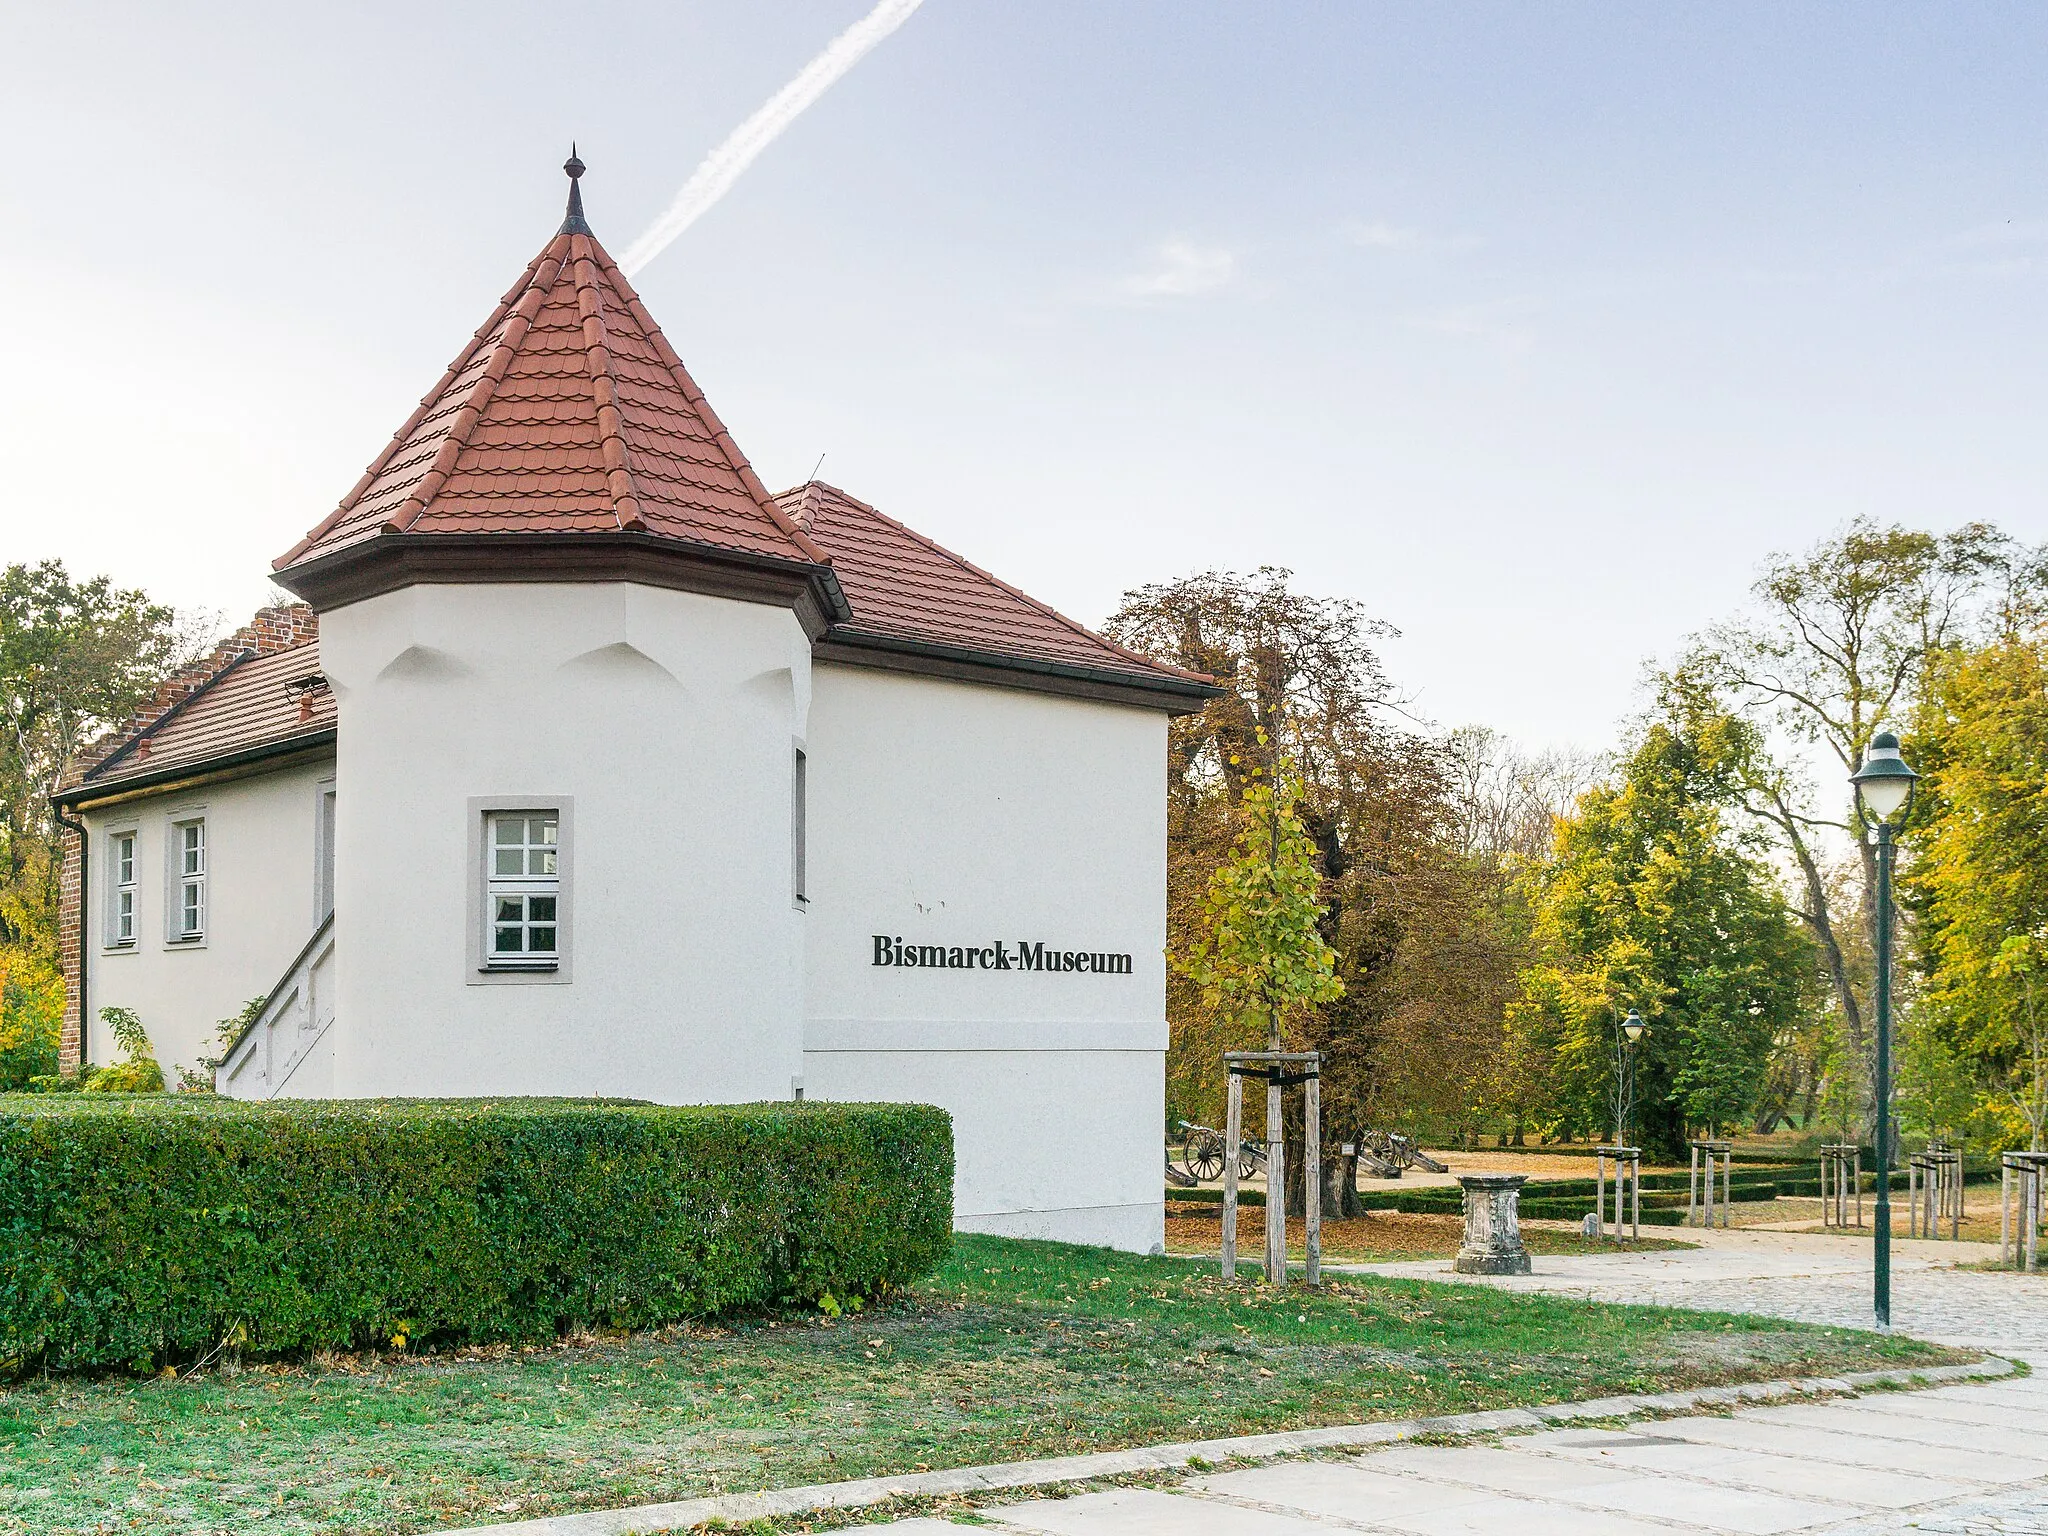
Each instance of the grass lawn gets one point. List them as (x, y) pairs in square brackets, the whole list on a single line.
[(1015, 1349), (1193, 1227)]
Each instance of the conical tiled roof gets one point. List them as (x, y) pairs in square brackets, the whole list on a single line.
[(568, 413)]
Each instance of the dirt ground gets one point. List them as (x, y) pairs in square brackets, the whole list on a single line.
[(1378, 1237)]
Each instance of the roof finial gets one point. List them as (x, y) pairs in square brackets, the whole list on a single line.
[(574, 223)]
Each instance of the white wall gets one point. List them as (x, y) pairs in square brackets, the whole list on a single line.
[(946, 813), (261, 835), (669, 720)]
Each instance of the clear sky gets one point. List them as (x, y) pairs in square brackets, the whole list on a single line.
[(1534, 328)]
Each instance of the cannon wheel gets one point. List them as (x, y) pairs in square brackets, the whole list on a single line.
[(1251, 1157), (1203, 1154)]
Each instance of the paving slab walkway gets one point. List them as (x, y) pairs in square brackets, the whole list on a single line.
[(1970, 1459), (1965, 1459)]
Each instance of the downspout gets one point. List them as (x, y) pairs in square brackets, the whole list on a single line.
[(84, 914)]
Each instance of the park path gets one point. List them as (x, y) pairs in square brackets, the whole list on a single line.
[(1806, 1277), (1955, 1460)]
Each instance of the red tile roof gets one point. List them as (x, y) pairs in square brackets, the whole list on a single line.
[(568, 412), (906, 590), (259, 691)]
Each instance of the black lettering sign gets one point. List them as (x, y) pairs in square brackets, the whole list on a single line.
[(1024, 955)]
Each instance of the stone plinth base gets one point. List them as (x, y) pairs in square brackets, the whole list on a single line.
[(1493, 1228)]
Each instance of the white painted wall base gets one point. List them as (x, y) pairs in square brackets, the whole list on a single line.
[(1066, 1142), (1132, 1228)]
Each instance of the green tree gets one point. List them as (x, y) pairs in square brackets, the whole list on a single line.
[(1261, 957), (1838, 644), (1424, 960), (76, 659), (31, 1017), (1653, 901), (1978, 880)]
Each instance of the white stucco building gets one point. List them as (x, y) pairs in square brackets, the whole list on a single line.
[(587, 766)]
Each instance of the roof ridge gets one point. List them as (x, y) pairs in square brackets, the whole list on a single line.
[(427, 402), (989, 576), (197, 691), (735, 459), (543, 278), (597, 357), (257, 638)]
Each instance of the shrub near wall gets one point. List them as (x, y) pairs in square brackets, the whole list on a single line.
[(134, 1232)]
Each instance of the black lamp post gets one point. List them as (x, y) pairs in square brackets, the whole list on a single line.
[(1627, 1033), (1884, 785)]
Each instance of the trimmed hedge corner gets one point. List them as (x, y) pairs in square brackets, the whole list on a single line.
[(152, 1230)]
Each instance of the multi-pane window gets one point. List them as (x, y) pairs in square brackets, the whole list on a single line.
[(523, 887), (188, 882), (121, 875)]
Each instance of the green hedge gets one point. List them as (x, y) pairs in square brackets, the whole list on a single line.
[(139, 1231)]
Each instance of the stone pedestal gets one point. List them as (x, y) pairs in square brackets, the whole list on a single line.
[(1493, 1228)]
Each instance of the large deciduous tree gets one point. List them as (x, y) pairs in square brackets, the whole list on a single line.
[(1979, 878), (1653, 901), (1837, 646), (1423, 968), (76, 658)]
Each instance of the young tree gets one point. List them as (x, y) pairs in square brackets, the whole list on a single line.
[(1261, 958)]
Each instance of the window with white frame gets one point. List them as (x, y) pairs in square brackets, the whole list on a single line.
[(522, 889), (188, 880), (121, 889)]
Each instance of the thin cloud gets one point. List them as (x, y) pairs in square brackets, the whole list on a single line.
[(1183, 270), (1381, 237), (1501, 323), (1378, 235), (715, 176)]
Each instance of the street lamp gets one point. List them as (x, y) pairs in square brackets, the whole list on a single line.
[(1631, 1029), (1884, 786)]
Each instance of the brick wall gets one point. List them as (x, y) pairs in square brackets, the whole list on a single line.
[(272, 630), (70, 948)]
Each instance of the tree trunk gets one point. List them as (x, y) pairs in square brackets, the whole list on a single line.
[(1340, 1198)]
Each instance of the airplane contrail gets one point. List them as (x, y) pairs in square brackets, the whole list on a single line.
[(724, 165)]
